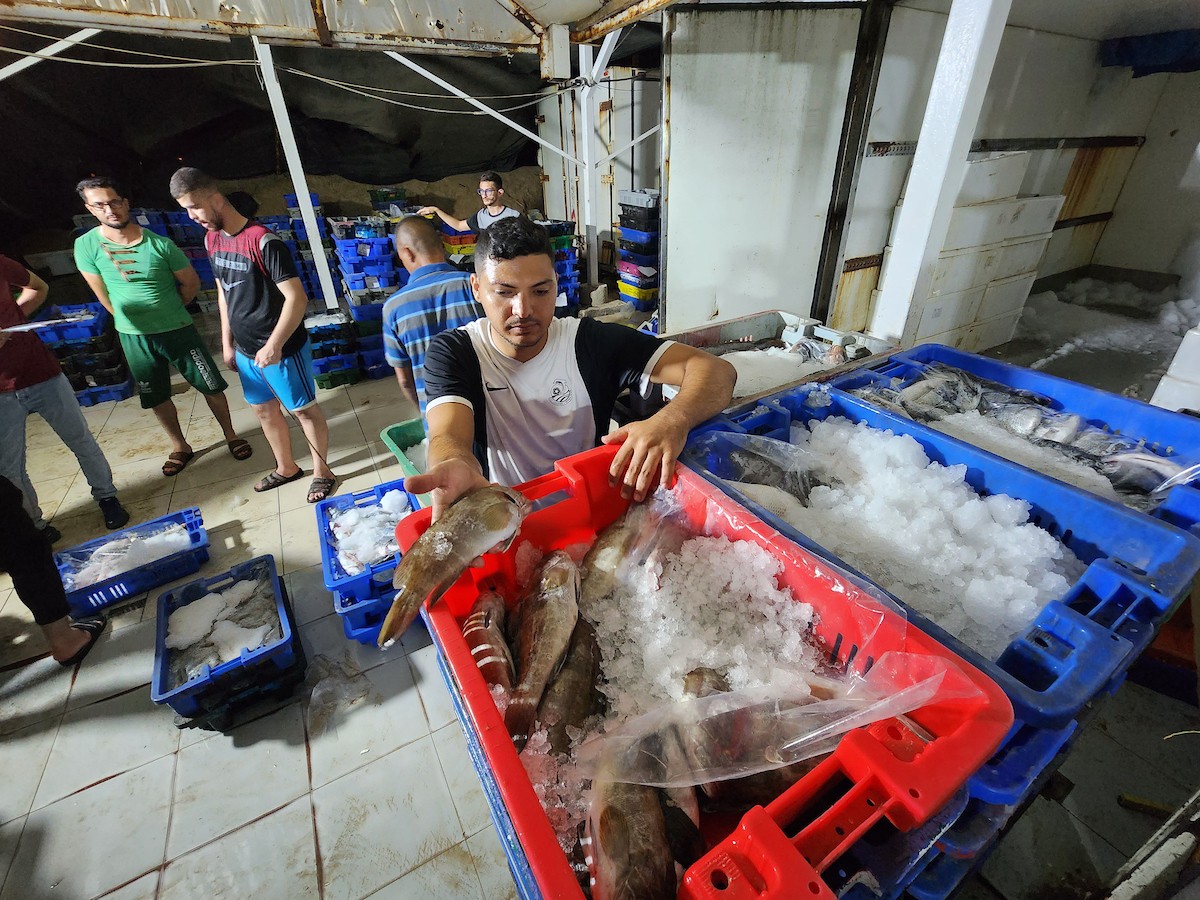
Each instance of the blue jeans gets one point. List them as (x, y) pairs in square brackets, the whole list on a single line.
[(55, 402)]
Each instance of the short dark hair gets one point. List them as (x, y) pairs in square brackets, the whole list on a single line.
[(188, 180), (99, 182), (419, 234), (510, 238), (493, 177)]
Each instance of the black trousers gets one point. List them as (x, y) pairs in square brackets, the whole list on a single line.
[(26, 555)]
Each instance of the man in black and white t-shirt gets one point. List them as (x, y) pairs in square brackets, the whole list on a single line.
[(510, 394), (491, 192)]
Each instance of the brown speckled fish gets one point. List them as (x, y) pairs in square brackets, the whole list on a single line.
[(476, 523)]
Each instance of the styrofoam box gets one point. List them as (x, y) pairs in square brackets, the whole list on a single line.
[(992, 223), (992, 177), (948, 312), (1186, 364), (1006, 295), (1176, 394), (991, 333), (962, 270), (1019, 255)]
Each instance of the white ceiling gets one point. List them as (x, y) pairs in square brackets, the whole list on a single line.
[(1092, 19)]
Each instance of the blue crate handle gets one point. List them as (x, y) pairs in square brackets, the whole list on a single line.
[(363, 585), (1007, 777)]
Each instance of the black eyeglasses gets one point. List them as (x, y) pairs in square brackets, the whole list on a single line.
[(107, 204), (483, 192)]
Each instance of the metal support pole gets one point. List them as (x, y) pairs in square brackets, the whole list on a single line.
[(54, 49), (629, 145), (461, 95), (591, 68), (291, 152), (964, 68)]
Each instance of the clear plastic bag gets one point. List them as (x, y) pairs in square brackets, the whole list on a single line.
[(737, 734), (122, 554)]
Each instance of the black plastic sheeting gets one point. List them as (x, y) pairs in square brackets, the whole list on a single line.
[(65, 121), (1148, 54)]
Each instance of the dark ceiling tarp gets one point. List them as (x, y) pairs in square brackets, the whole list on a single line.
[(65, 121), (1148, 54)]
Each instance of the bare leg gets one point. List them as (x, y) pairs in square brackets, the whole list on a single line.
[(220, 410), (275, 427), (168, 418), (316, 429), (64, 640)]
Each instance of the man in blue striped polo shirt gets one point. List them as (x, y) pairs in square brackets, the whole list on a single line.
[(437, 298)]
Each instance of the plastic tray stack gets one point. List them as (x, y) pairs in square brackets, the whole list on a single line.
[(454, 242), (894, 777), (89, 352), (335, 349), (362, 600), (638, 270), (302, 244), (387, 200), (1076, 651), (212, 698)]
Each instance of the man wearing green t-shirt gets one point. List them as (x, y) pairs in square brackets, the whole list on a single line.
[(145, 281)]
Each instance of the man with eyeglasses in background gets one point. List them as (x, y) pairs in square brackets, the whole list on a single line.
[(146, 282), (491, 192)]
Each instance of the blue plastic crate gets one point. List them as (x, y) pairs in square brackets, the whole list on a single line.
[(148, 217), (330, 330), (106, 392), (335, 363), (253, 667), (377, 579), (1167, 433), (372, 358), (370, 342), (365, 248), (1080, 645), (634, 236), (557, 227), (291, 200), (98, 324), (367, 312), (638, 281), (362, 619), (446, 229), (87, 600), (376, 372), (641, 259)]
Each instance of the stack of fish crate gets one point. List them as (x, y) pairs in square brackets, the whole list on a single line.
[(361, 599), (1080, 647), (304, 244), (457, 243), (89, 352), (388, 201), (637, 254), (187, 235), (334, 347), (566, 264)]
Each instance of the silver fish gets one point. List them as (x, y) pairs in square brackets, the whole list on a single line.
[(547, 620), (476, 523), (1138, 471), (572, 695), (483, 631)]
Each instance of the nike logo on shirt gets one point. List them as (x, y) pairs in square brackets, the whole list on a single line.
[(490, 388)]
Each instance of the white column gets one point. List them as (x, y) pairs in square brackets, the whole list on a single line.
[(52, 50), (964, 68), (591, 69), (291, 153)]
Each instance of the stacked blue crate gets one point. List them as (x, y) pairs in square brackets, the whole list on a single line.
[(88, 351), (303, 245), (566, 267), (637, 249), (368, 267)]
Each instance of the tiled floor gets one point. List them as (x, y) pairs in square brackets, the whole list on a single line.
[(103, 796)]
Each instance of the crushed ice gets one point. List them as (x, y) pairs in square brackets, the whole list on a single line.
[(365, 535), (123, 554)]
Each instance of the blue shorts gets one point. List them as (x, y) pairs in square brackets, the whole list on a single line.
[(290, 381)]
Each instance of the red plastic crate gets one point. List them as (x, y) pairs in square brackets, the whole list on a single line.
[(882, 772)]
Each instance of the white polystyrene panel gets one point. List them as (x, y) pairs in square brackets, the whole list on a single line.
[(755, 110)]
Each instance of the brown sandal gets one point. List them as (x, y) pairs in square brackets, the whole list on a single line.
[(177, 462), (273, 479), (240, 448), (320, 489)]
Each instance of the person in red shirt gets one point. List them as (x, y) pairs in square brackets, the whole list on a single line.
[(31, 381)]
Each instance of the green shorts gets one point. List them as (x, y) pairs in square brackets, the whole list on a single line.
[(150, 357)]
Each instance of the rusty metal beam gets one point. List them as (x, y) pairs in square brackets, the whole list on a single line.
[(522, 15), (614, 15), (323, 35), (111, 20)]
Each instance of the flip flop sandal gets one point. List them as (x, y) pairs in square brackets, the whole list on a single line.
[(94, 626), (273, 479), (240, 449), (320, 489), (177, 462)]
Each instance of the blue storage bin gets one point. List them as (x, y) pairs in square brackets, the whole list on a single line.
[(107, 392), (354, 282), (375, 581), (641, 259), (254, 668), (365, 248), (85, 601), (376, 372), (291, 200), (301, 231), (146, 217), (446, 229), (557, 227), (98, 324), (1078, 646), (566, 268), (371, 342), (372, 358), (335, 363), (634, 236), (638, 281), (1169, 434), (367, 312), (362, 619)]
